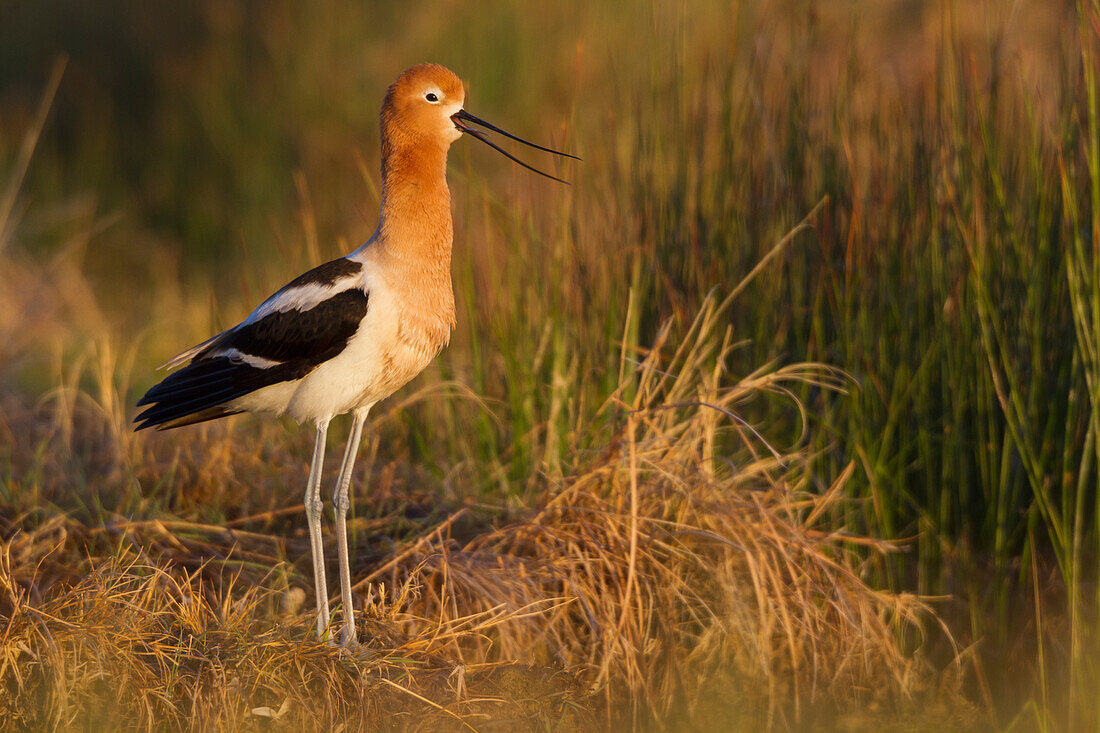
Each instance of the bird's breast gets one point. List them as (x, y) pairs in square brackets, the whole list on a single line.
[(392, 345), (396, 342), (408, 353)]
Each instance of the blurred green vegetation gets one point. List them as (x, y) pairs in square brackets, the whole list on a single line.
[(952, 273)]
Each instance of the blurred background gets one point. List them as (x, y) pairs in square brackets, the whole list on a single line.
[(197, 155)]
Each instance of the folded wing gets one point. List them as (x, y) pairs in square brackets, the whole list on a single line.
[(306, 323)]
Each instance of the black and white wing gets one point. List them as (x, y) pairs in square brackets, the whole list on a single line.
[(307, 322)]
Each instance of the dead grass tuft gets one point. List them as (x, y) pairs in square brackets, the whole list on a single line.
[(669, 564), (144, 646)]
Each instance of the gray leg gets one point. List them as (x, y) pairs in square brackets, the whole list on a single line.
[(340, 504), (314, 508)]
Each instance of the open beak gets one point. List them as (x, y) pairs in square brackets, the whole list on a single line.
[(462, 116)]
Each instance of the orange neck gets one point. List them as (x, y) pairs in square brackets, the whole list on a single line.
[(415, 220), (415, 231)]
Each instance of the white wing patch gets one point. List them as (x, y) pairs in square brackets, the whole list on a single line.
[(257, 361), (300, 298)]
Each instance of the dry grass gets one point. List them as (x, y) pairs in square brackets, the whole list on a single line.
[(140, 646), (684, 557)]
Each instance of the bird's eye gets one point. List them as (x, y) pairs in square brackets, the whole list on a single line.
[(431, 97)]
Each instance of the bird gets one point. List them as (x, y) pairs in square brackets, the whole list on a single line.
[(346, 334)]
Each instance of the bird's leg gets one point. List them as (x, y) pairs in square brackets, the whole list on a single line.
[(314, 508), (341, 502)]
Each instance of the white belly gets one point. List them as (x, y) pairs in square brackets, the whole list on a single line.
[(383, 355)]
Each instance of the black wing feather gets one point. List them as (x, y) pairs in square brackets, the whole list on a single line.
[(229, 379), (326, 274), (317, 334), (297, 341)]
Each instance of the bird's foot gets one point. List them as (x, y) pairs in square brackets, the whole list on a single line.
[(348, 640)]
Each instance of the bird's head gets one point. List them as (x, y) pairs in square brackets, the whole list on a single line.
[(420, 103), (424, 106)]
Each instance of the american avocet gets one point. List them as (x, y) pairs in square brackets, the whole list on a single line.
[(350, 332)]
